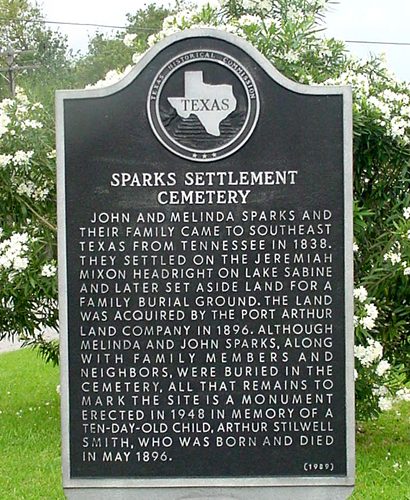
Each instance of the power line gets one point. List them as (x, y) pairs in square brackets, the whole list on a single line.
[(93, 25), (374, 42), (370, 42), (151, 28)]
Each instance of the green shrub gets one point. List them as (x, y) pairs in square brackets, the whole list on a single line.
[(28, 288)]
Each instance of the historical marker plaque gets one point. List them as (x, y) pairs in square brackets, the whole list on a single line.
[(206, 279)]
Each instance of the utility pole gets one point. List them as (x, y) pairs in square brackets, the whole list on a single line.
[(10, 72), (10, 56)]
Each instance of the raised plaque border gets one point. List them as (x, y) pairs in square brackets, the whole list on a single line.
[(262, 488)]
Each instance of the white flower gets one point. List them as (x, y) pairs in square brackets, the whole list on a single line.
[(41, 193), (21, 111), (325, 52), (257, 4), (406, 271), (380, 390), (291, 56), (7, 303), (367, 323), (368, 355), (371, 310), (20, 263), (381, 106), (19, 238), (51, 154), (152, 39), (6, 103), (168, 22), (389, 95), (126, 70), (376, 349), (129, 38), (34, 124), (230, 28), (403, 394), (21, 158), (29, 189), (26, 188), (21, 96), (169, 31), (111, 77), (247, 20), (13, 253), (5, 262), (382, 367), (48, 270), (5, 160), (4, 122), (395, 258), (406, 213), (355, 247), (360, 293), (398, 126), (270, 22), (136, 57), (359, 352), (385, 404), (394, 254)]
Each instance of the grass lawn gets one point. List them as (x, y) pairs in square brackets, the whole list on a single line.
[(383, 456), (29, 428), (30, 438)]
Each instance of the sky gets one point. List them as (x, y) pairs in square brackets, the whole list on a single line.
[(367, 20)]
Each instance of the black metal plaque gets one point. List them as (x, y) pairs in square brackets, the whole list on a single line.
[(204, 231)]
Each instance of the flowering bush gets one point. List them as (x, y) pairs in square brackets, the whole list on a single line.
[(376, 380), (27, 223), (285, 31), (378, 384), (381, 180), (372, 382), (365, 313)]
